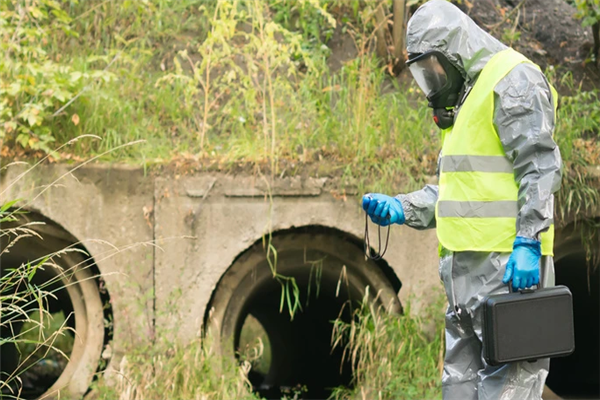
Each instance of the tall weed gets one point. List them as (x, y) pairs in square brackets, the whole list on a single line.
[(177, 372), (37, 324), (578, 137), (392, 356), (32, 337)]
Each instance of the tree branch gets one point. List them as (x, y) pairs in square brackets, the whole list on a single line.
[(381, 26), (400, 12)]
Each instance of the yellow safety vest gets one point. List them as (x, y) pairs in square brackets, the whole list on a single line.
[(477, 206)]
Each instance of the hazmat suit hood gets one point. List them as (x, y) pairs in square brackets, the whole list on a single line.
[(439, 25)]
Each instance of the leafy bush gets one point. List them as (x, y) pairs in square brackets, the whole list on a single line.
[(36, 87), (577, 134), (589, 13)]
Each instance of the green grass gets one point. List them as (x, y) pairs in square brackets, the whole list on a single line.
[(36, 341), (272, 105), (392, 356), (39, 327), (290, 113), (277, 109), (177, 372)]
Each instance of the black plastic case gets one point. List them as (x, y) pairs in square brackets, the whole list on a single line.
[(529, 325)]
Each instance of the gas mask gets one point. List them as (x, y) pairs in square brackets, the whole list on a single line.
[(440, 81)]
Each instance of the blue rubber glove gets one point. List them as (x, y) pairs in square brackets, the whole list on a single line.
[(383, 210), (524, 264)]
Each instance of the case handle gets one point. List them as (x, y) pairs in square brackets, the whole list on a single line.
[(540, 285)]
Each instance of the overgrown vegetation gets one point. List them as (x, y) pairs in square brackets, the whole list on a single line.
[(241, 84), (32, 338), (589, 12), (577, 135), (224, 84), (172, 371), (392, 356), (219, 85)]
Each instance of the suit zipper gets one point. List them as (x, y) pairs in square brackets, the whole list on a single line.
[(457, 309)]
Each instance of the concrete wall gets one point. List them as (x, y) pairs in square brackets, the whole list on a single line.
[(104, 208), (163, 241), (177, 235), (224, 215)]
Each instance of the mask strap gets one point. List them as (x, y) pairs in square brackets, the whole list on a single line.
[(463, 94)]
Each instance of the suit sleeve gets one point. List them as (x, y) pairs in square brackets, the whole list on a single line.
[(524, 120), (419, 206)]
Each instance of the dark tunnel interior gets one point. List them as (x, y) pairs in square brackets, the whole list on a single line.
[(38, 365), (301, 360), (50, 287), (577, 376), (298, 356)]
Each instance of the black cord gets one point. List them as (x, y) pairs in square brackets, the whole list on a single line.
[(379, 255)]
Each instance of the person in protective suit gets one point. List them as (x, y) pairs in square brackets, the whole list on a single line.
[(493, 208)]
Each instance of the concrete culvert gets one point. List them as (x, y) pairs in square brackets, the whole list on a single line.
[(330, 269), (578, 376), (77, 304)]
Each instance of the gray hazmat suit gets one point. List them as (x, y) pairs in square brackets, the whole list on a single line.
[(524, 120)]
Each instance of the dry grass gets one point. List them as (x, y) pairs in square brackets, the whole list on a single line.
[(29, 329), (392, 355), (27, 325), (172, 371)]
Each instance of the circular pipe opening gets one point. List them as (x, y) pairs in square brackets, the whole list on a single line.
[(301, 357), (577, 376), (255, 346), (43, 364), (59, 350), (45, 337), (331, 276)]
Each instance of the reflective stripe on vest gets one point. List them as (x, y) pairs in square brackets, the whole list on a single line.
[(476, 164), (478, 197), (477, 209)]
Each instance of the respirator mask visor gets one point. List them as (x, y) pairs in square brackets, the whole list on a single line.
[(429, 74), (440, 81)]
